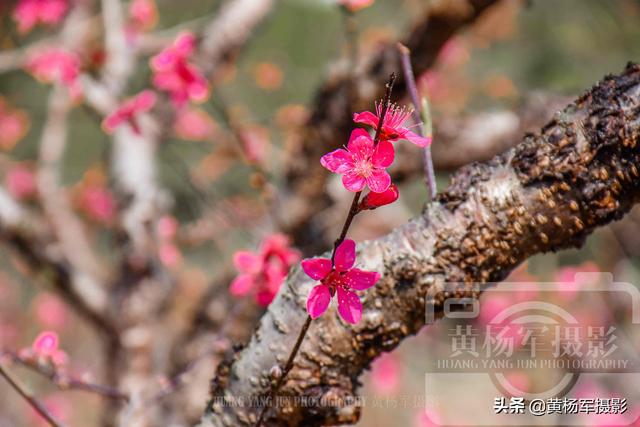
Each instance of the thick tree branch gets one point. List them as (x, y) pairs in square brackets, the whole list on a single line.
[(548, 193)]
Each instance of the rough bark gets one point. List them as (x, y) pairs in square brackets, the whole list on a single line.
[(330, 122), (548, 193)]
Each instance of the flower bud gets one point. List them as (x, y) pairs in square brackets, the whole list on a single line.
[(375, 200)]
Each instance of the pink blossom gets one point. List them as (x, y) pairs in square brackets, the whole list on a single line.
[(393, 127), (385, 373), (174, 74), (98, 203), (20, 182), (143, 15), (13, 126), (355, 5), (29, 13), (46, 346), (169, 254), (375, 200), (167, 227), (54, 65), (570, 287), (194, 124), (262, 273), (340, 277), (127, 112), (50, 311), (362, 163)]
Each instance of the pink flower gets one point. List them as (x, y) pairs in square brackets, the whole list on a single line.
[(127, 112), (20, 182), (13, 126), (340, 277), (385, 373), (50, 311), (375, 200), (143, 15), (29, 13), (175, 75), (355, 5), (167, 227), (362, 163), (169, 254), (263, 272), (194, 124), (393, 127), (98, 203), (46, 346), (54, 65)]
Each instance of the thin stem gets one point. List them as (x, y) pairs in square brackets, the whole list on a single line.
[(407, 69), (353, 211), (35, 403)]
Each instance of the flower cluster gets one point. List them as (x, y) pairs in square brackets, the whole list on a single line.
[(174, 73), (262, 273), (45, 348), (363, 163), (29, 13)]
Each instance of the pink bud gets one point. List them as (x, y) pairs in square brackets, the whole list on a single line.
[(375, 200)]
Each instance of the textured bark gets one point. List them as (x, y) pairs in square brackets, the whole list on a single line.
[(549, 192), (330, 122)]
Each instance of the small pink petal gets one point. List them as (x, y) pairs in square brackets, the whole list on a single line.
[(185, 43), (379, 181), (345, 255), (317, 268), (349, 306), (247, 262), (353, 181), (241, 285), (360, 279), (383, 155), (367, 118), (360, 144), (318, 301), (420, 141), (144, 101), (338, 161)]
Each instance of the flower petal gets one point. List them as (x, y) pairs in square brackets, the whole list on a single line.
[(247, 262), (367, 118), (360, 144), (338, 161), (349, 306), (360, 279), (318, 301), (379, 181), (317, 268), (383, 155), (420, 141), (241, 285), (352, 181), (345, 255)]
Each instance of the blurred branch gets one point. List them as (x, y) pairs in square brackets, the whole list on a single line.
[(328, 126), (579, 172), (120, 58), (31, 400)]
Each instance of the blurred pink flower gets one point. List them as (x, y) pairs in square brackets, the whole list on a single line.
[(361, 164), (53, 65), (338, 276), (174, 74), (29, 13), (565, 277), (57, 405), (385, 373), (50, 311), (454, 52), (194, 124), (13, 125), (127, 112), (427, 418), (98, 203), (262, 273), (255, 142), (46, 346), (143, 15), (20, 182), (167, 227), (169, 254), (355, 5)]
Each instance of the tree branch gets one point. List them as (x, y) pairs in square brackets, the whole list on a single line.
[(548, 193)]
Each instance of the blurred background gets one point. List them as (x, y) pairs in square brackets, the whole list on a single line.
[(223, 163)]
